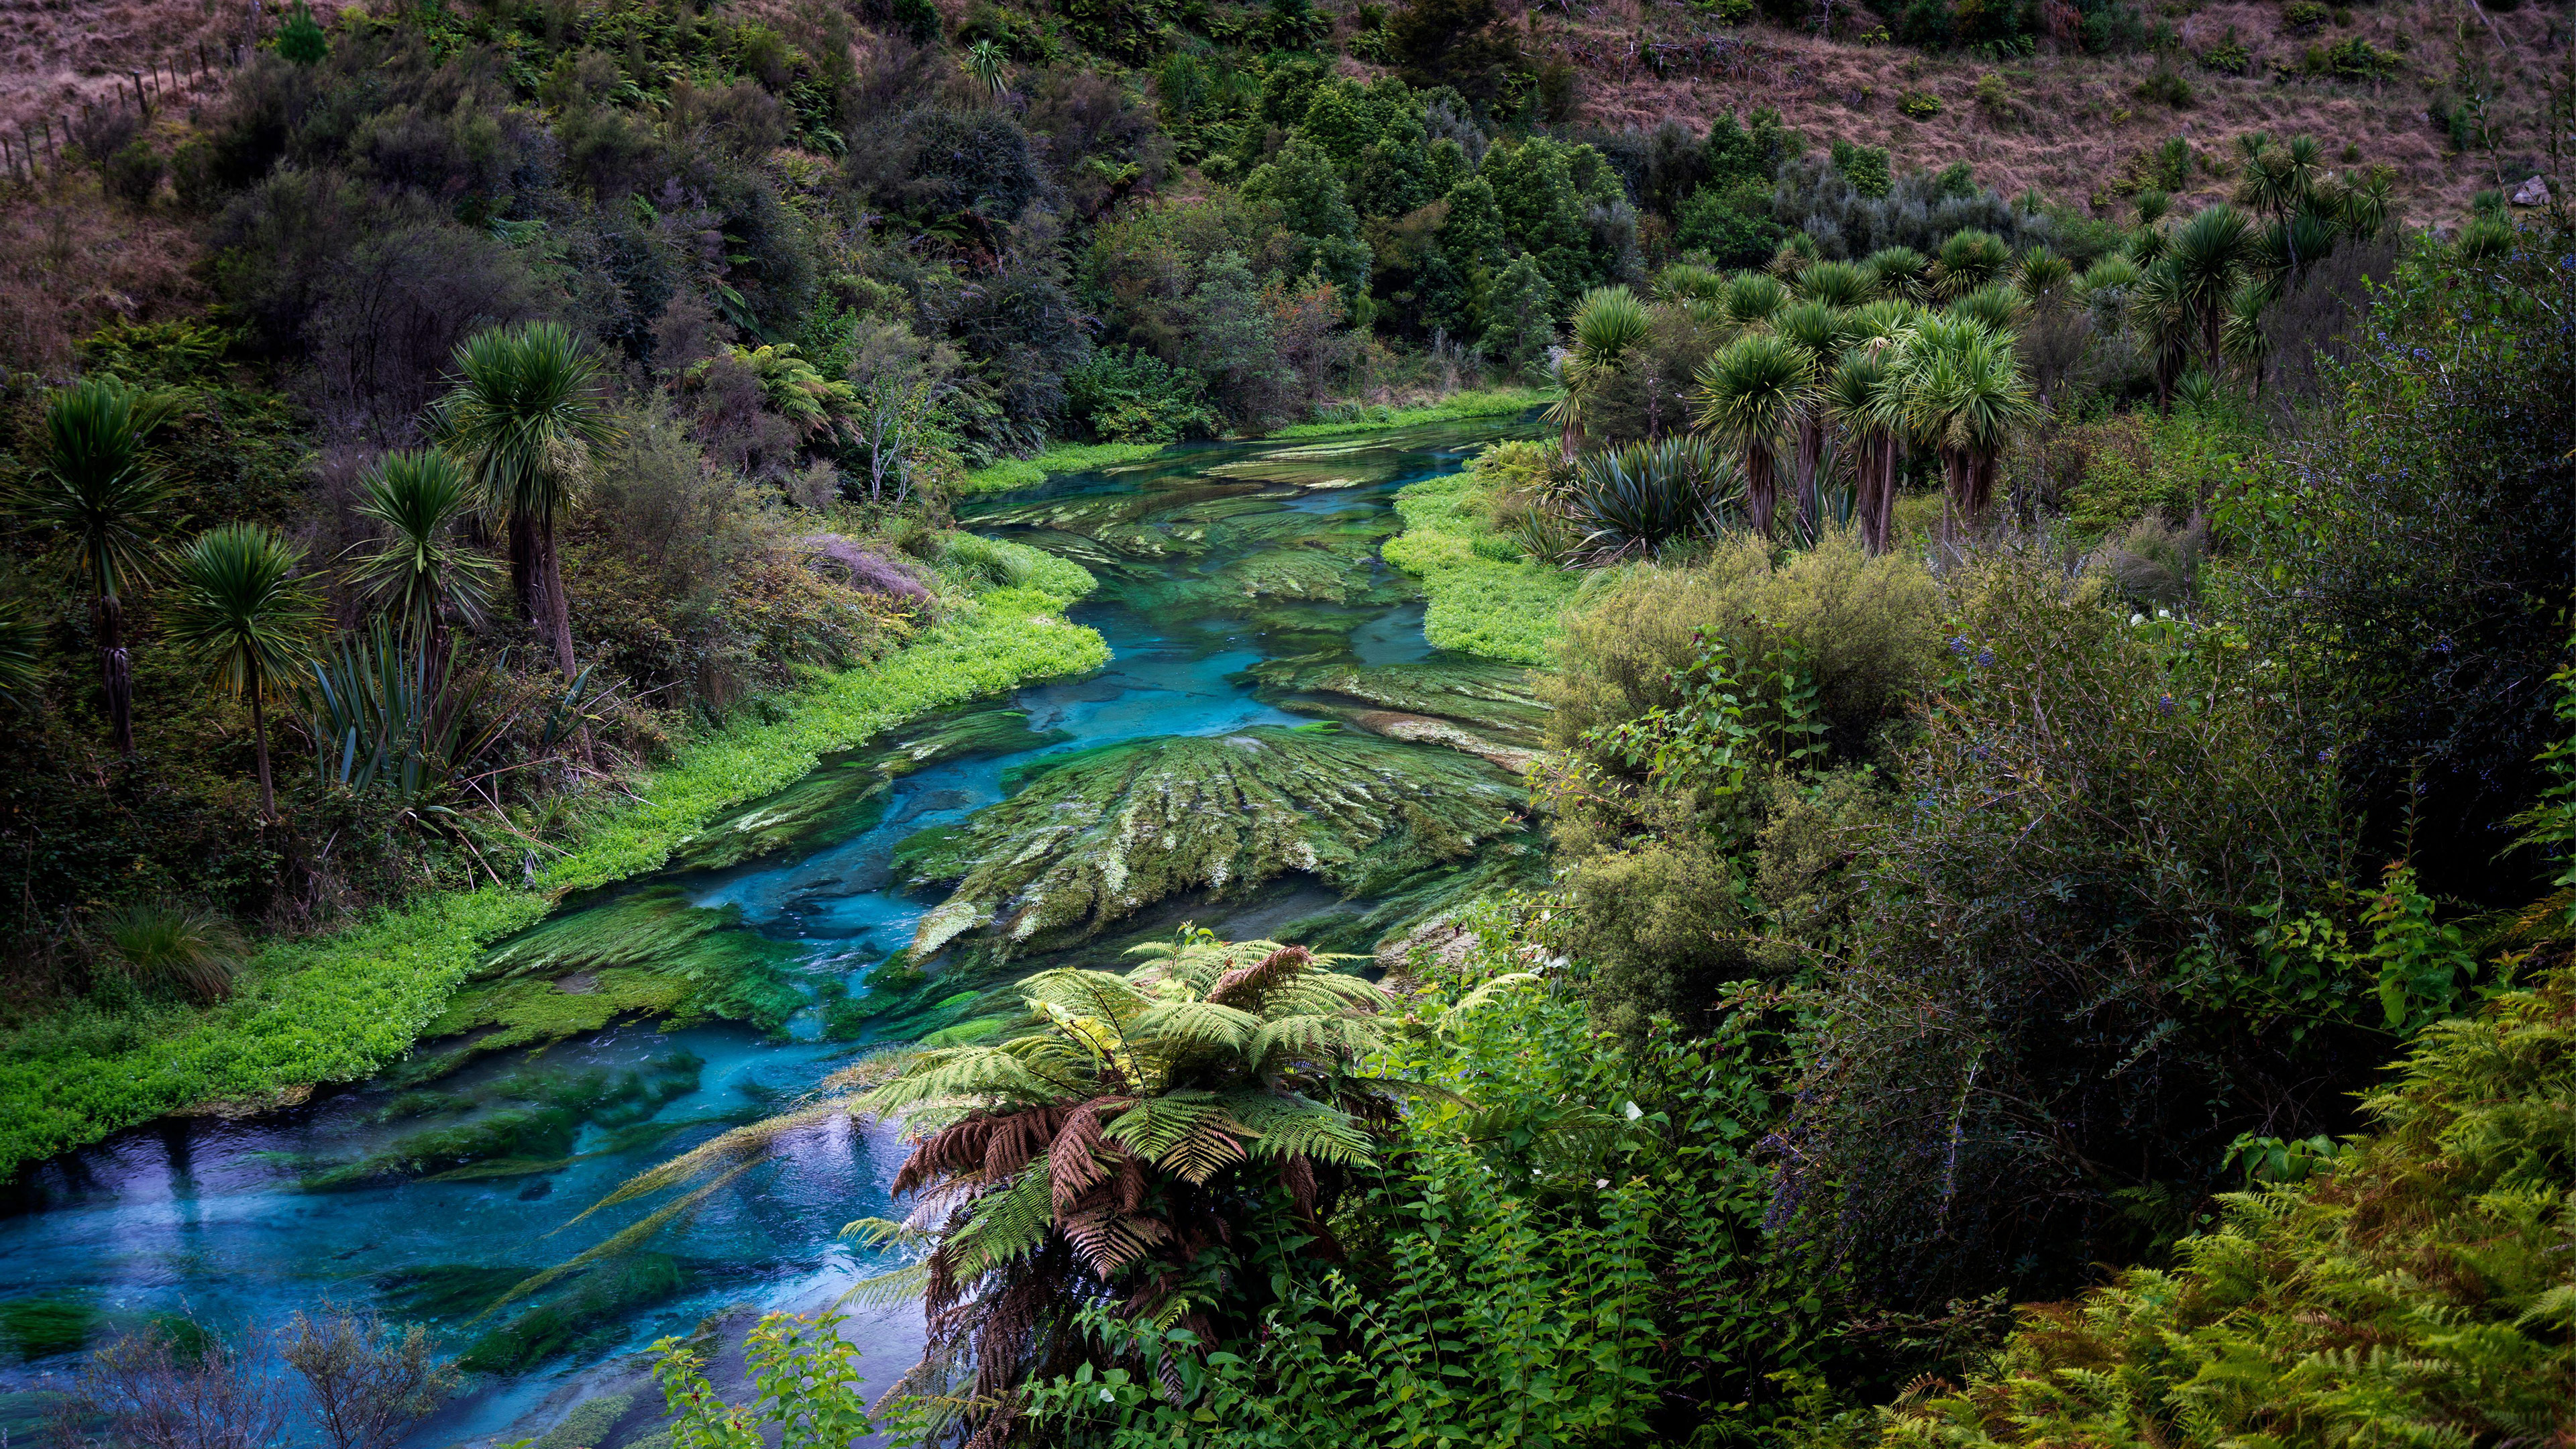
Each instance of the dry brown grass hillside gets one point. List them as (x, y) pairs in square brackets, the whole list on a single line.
[(57, 54), (2072, 124)]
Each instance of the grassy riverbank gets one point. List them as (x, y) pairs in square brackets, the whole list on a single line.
[(338, 1007), (1484, 601), (1081, 457)]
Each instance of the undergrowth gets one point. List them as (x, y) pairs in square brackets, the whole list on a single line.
[(338, 1007)]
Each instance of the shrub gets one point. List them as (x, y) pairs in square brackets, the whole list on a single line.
[(2272, 1301), (1868, 627), (1635, 500), (1125, 396), (2413, 543), (1920, 105), (2166, 87), (1732, 225), (2046, 1003), (2300, 16), (1865, 167)]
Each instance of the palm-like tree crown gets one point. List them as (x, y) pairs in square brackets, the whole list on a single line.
[(1969, 260), (21, 670), (1837, 284), (248, 619), (96, 483), (1818, 330), (1899, 271), (523, 414), (422, 574), (240, 608), (1751, 298), (1753, 390)]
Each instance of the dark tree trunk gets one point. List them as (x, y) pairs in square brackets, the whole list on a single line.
[(116, 672), (1761, 487), (1876, 479), (536, 573), (259, 743), (1811, 498)]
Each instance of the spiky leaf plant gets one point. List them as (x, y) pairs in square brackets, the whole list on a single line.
[(1900, 272), (1636, 500), (250, 622), (1997, 307), (22, 671), (1607, 322), (1821, 333), (1857, 401), (1751, 396), (96, 487), (1131, 1141), (2208, 257), (1964, 394), (2043, 276), (1751, 298), (1969, 259), (1838, 284), (523, 415), (422, 574), (2162, 316)]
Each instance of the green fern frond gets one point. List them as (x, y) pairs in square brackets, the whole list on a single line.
[(1177, 1024), (961, 1072), (1288, 1126)]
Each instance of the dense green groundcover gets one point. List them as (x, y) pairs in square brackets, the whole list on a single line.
[(338, 1007), (1500, 608)]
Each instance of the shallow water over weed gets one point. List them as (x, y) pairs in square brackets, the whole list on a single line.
[(1243, 598)]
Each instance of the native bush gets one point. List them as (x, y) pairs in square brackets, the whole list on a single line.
[(1135, 397), (2412, 547), (2056, 992)]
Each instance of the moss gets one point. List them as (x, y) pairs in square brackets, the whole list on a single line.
[(1493, 698), (40, 1327), (593, 1314), (1117, 828), (529, 1124), (589, 1424), (1478, 605), (338, 1008), (1012, 473)]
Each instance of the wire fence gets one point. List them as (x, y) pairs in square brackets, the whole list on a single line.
[(31, 150)]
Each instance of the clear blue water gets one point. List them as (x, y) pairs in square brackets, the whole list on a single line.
[(212, 1217)]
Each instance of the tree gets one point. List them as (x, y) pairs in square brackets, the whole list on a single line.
[(97, 488), (1520, 316), (1752, 394), (2158, 310), (368, 1384), (249, 620), (1233, 343), (422, 575), (2207, 256), (1303, 185), (1607, 322), (523, 416), (1964, 393), (1857, 399), (1819, 332)]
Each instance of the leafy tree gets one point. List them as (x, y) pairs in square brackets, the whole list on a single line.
[(240, 609), (1308, 193), (301, 38), (1234, 344), (1741, 153), (422, 574), (522, 417), (1543, 189), (1520, 316), (98, 489)]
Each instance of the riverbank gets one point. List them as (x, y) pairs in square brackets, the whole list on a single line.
[(1355, 418), (337, 1008), (1482, 596)]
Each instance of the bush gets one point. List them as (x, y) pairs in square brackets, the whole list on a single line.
[(1122, 395), (1919, 105), (2050, 1018), (1731, 225), (1869, 628), (2271, 1302)]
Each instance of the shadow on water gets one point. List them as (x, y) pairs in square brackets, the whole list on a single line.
[(1254, 631)]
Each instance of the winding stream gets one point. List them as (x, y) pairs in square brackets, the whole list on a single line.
[(1271, 696)]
